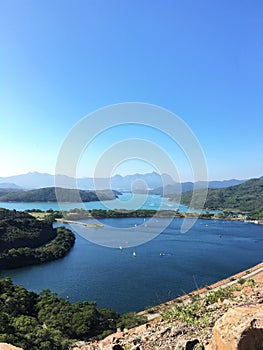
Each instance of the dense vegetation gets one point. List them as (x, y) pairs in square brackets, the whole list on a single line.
[(78, 214), (81, 214), (24, 256), (4, 191), (19, 229), (44, 321), (49, 194), (247, 197), (24, 240)]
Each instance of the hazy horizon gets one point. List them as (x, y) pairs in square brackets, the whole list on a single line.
[(131, 174), (202, 61)]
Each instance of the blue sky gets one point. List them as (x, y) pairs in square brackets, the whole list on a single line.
[(202, 60)]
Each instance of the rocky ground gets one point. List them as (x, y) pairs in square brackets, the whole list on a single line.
[(218, 317)]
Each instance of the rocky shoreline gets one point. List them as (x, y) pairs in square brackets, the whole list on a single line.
[(157, 310), (217, 317)]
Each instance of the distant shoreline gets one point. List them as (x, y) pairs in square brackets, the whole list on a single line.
[(77, 221)]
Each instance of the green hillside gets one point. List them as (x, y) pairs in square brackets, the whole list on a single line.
[(48, 194), (46, 322), (20, 229), (25, 240), (245, 197)]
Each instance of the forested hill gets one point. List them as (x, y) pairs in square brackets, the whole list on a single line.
[(20, 229), (245, 197), (25, 240), (48, 194), (46, 322)]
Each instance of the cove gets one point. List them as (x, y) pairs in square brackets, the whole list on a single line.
[(170, 265)]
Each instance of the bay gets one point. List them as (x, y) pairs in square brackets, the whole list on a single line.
[(170, 265)]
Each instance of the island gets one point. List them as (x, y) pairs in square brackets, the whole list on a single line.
[(57, 194)]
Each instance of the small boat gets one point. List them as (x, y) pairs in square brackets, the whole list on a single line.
[(134, 254)]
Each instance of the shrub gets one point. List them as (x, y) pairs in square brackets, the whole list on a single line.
[(221, 294), (192, 314), (251, 282), (130, 320), (241, 281)]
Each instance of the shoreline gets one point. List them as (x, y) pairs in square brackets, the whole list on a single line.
[(156, 311), (162, 332), (174, 216), (66, 221)]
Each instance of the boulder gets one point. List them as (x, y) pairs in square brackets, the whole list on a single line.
[(240, 328)]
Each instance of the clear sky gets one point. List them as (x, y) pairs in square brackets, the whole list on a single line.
[(201, 59)]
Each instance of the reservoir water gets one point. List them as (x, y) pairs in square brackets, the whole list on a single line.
[(125, 201), (168, 266)]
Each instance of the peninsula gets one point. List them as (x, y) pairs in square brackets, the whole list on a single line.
[(25, 240)]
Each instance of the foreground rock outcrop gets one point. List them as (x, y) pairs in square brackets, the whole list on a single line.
[(240, 328)]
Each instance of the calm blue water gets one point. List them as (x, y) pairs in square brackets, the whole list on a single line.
[(125, 201), (210, 251)]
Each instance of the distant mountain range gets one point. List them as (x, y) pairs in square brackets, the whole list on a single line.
[(170, 190), (8, 185), (120, 183), (156, 183), (229, 194)]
